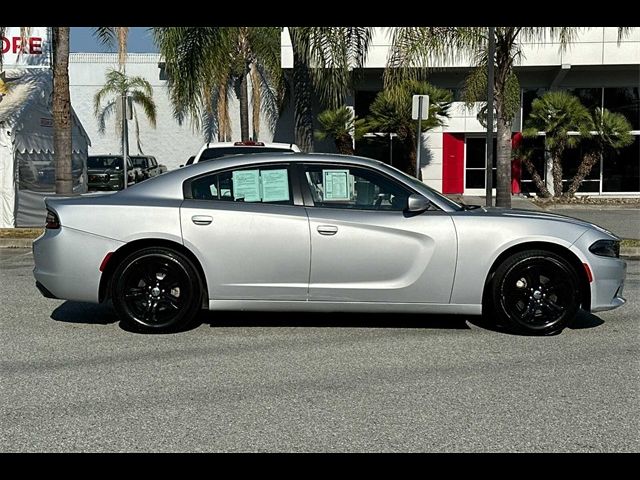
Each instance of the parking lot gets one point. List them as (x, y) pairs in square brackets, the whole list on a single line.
[(73, 380)]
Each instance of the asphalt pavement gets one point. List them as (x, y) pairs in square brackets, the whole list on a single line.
[(74, 381)]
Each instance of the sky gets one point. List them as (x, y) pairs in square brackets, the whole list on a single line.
[(83, 40)]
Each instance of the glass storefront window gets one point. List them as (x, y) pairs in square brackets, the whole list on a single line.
[(475, 162), (621, 170), (589, 97), (625, 101)]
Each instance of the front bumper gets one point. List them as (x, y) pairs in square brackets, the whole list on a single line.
[(608, 273), (608, 284), (108, 186)]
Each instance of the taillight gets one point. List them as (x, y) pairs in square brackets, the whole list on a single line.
[(52, 220)]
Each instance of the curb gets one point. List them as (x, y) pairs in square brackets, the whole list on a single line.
[(16, 242), (629, 252)]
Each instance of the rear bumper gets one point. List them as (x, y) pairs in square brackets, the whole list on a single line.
[(67, 263), (45, 293)]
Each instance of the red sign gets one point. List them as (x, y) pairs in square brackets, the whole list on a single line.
[(31, 45)]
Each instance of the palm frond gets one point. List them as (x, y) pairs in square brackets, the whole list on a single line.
[(104, 114), (105, 35)]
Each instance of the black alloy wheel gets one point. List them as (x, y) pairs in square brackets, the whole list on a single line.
[(536, 292), (156, 289)]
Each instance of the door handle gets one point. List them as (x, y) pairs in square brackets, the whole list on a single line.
[(327, 229), (202, 219)]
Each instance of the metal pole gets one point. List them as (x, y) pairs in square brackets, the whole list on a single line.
[(490, 80), (419, 137), (390, 148), (125, 140)]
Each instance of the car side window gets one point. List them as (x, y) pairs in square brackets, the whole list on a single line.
[(265, 184), (337, 186)]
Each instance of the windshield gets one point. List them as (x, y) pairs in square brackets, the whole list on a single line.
[(422, 186), (104, 162), (211, 153)]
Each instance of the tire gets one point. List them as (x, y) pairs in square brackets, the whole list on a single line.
[(156, 290), (536, 292)]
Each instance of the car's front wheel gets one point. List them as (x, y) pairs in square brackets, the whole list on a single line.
[(536, 292), (156, 290)]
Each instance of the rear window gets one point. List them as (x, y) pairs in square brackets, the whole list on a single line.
[(213, 153)]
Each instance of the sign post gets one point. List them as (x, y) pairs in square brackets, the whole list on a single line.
[(419, 111)]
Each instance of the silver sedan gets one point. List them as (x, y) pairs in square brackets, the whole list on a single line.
[(319, 233)]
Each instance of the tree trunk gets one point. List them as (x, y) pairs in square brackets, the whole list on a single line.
[(557, 173), (344, 144), (244, 109), (503, 161), (537, 179), (409, 166), (583, 170), (255, 101), (62, 112), (224, 123), (303, 111)]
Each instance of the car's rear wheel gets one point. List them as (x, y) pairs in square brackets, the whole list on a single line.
[(156, 290), (536, 292)]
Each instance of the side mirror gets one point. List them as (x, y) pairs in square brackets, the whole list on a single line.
[(417, 203)]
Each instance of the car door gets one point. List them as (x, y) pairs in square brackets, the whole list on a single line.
[(366, 247), (250, 231)]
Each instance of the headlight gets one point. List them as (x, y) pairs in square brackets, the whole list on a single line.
[(606, 248)]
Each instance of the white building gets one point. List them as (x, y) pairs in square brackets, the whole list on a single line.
[(596, 67)]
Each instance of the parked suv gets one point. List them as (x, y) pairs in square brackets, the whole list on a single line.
[(211, 151), (148, 165), (106, 172)]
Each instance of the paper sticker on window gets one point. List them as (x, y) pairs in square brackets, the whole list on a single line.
[(275, 185), (246, 185), (335, 184)]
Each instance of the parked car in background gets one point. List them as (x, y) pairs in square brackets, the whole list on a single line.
[(320, 233), (189, 161), (212, 151), (148, 165), (106, 172)]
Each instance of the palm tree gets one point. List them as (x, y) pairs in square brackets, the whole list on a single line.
[(61, 109), (205, 65), (415, 48), (390, 112), (118, 85), (199, 68), (341, 125), (611, 132), (564, 122), (324, 59)]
